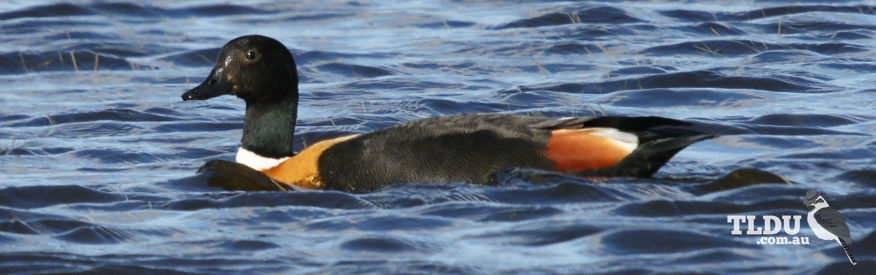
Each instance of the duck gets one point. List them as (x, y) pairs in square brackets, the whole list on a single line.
[(457, 148)]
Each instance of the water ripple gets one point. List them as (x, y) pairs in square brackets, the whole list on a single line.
[(99, 154)]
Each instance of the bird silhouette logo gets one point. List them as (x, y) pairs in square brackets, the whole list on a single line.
[(826, 222)]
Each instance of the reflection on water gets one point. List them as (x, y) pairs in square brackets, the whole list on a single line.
[(98, 152)]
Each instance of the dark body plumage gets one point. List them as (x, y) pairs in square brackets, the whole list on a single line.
[(467, 148)]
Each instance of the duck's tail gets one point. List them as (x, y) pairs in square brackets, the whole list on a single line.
[(647, 158), (659, 140)]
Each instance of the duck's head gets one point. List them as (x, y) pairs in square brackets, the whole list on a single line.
[(254, 68), (261, 71)]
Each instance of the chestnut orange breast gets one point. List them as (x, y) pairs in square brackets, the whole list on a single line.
[(302, 170)]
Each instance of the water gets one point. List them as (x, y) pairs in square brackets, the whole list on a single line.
[(99, 155)]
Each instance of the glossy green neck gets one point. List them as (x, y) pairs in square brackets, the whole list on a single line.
[(269, 126)]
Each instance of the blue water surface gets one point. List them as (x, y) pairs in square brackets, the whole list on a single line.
[(99, 153)]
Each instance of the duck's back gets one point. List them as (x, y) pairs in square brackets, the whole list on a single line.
[(464, 148)]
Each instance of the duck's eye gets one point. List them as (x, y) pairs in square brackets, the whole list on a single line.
[(251, 55)]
